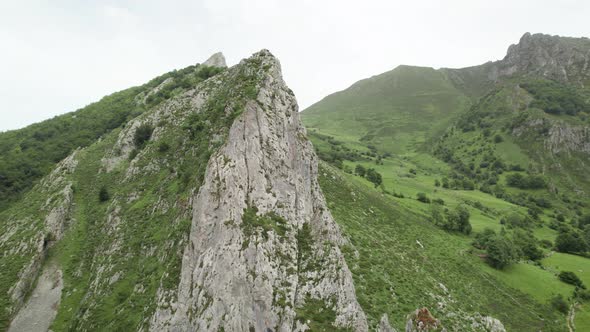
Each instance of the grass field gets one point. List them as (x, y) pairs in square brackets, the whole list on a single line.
[(400, 262)]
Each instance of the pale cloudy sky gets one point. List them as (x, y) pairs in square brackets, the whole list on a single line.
[(59, 55)]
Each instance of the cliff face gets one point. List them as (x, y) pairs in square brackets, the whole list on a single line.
[(560, 58), (263, 244), (203, 213)]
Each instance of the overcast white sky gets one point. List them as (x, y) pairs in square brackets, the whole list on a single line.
[(58, 55)]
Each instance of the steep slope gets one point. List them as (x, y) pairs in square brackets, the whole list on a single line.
[(202, 213), (401, 261), (30, 153), (514, 159), (396, 111)]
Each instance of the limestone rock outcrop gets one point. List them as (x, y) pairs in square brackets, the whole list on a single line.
[(263, 246)]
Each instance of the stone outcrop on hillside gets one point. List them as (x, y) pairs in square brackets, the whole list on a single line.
[(263, 244), (560, 58), (216, 60)]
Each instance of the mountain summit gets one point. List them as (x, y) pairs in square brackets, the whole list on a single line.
[(561, 58)]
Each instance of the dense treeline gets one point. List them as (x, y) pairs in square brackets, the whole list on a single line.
[(29, 153)]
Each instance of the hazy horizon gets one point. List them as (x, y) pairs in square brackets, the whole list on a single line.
[(63, 55)]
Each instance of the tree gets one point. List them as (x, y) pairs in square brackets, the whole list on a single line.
[(373, 176), (436, 183), (458, 220), (500, 252), (103, 194), (360, 170), (570, 241), (498, 138), (527, 245), (483, 239)]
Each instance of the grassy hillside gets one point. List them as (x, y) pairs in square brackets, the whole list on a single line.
[(401, 261), (128, 230), (511, 153), (30, 153), (396, 111)]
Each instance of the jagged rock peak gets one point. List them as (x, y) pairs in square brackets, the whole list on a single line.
[(562, 58), (237, 275), (216, 60)]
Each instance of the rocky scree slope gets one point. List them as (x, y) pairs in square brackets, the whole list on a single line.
[(203, 213)]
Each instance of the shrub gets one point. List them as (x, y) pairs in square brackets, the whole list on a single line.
[(103, 194), (570, 241), (163, 147), (501, 252), (438, 201), (458, 220), (571, 278), (422, 198), (483, 239), (526, 182), (558, 303), (143, 133), (498, 138), (374, 176), (360, 170), (527, 245)]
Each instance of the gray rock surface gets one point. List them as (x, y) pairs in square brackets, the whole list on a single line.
[(384, 325), (41, 308), (57, 211), (561, 58), (216, 60), (236, 280)]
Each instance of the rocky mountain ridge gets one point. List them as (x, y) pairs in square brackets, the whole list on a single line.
[(262, 253)]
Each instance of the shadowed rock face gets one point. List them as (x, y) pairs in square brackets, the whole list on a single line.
[(263, 242)]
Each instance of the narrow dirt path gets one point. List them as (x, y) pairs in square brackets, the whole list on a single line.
[(41, 308), (571, 316)]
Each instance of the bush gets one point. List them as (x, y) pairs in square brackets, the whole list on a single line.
[(558, 303), (571, 278), (438, 201), (498, 138), (582, 294), (501, 252), (526, 182), (103, 194), (458, 220), (483, 239), (422, 198), (163, 147), (143, 133), (360, 170), (373, 176), (527, 245), (570, 241)]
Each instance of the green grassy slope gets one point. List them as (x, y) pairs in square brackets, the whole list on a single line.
[(405, 262), (480, 137), (30, 153), (396, 111)]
